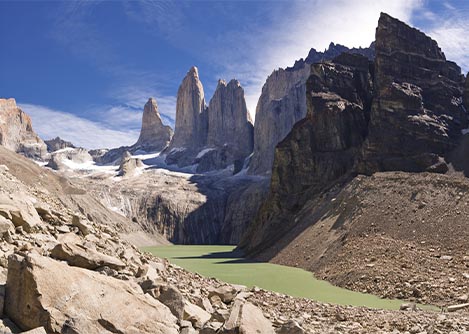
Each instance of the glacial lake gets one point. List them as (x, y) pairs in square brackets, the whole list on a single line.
[(220, 262)]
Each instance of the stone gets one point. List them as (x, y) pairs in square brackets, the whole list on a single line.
[(196, 315), (173, 299), (38, 330), (154, 136), (81, 256), (291, 327), (245, 318), (226, 293), (458, 307), (16, 131), (19, 209), (6, 225), (43, 292), (83, 225)]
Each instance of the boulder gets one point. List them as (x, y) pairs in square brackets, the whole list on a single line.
[(83, 225), (81, 256), (226, 293), (172, 298), (19, 209), (43, 292), (6, 225), (245, 318), (39, 330), (196, 315)]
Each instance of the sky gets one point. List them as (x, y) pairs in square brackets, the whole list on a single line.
[(83, 70)]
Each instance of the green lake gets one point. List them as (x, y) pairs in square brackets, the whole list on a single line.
[(220, 262)]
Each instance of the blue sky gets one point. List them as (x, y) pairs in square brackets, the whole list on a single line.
[(84, 69)]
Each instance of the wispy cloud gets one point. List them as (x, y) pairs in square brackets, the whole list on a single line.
[(450, 29), (49, 123), (275, 37)]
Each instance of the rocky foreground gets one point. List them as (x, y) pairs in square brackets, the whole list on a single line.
[(64, 272)]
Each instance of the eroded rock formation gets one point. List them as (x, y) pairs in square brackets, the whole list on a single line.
[(154, 136), (404, 112), (57, 144), (212, 137), (16, 131), (283, 103)]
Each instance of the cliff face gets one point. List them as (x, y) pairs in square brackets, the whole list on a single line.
[(16, 131), (403, 113), (190, 107), (417, 113), (283, 103), (320, 149), (212, 137), (229, 122), (154, 136)]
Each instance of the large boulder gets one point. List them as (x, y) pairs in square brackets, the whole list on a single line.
[(19, 209), (44, 292), (246, 318), (16, 131), (154, 136), (84, 257)]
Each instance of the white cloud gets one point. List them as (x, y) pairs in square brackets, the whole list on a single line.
[(306, 25), (276, 35), (451, 31), (49, 123)]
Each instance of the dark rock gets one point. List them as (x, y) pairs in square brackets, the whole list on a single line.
[(57, 144), (417, 113)]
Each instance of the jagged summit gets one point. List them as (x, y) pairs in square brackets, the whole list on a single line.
[(213, 136), (154, 136)]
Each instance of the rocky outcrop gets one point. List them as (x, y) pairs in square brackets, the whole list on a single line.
[(190, 127), (417, 113), (154, 136), (16, 131), (320, 149), (283, 103), (129, 166), (69, 159), (57, 144), (212, 137)]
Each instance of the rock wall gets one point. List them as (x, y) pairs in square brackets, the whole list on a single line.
[(283, 103), (16, 131), (417, 113), (320, 149), (57, 143), (403, 113), (212, 137)]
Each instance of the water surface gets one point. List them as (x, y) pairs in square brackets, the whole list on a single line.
[(220, 262)]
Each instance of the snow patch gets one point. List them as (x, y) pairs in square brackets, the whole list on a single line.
[(203, 152)]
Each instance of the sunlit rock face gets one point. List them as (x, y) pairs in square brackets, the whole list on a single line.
[(16, 131)]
